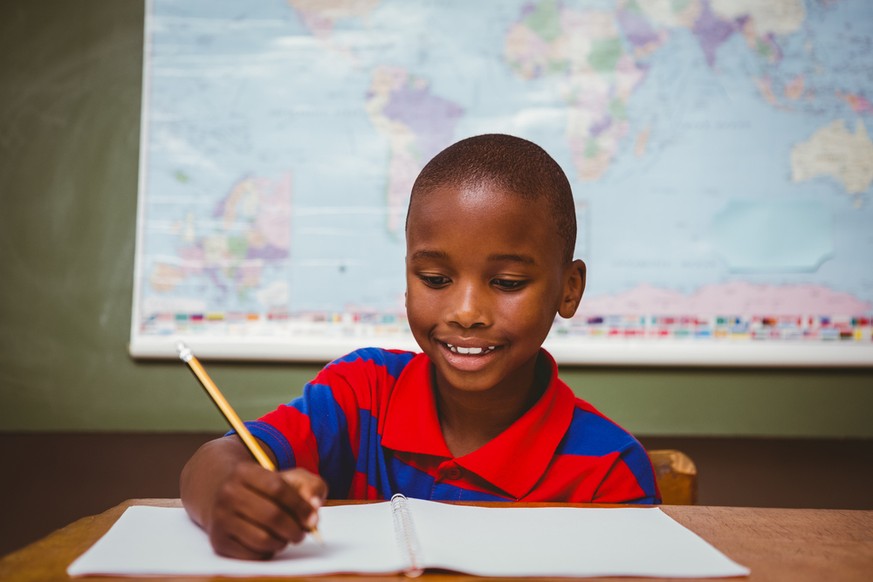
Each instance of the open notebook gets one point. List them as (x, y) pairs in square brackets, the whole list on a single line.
[(410, 535)]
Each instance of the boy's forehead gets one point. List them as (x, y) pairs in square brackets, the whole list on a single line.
[(477, 210), (480, 201)]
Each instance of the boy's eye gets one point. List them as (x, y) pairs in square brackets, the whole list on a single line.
[(435, 281), (509, 284)]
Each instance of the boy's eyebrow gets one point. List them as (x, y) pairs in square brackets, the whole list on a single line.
[(502, 257), (429, 254), (512, 258)]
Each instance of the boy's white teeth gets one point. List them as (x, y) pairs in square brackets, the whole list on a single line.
[(469, 351)]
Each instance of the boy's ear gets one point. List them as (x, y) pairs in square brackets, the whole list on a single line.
[(574, 286)]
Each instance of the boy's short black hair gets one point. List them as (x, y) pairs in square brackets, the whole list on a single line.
[(512, 164)]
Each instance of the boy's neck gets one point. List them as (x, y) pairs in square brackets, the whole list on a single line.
[(469, 420)]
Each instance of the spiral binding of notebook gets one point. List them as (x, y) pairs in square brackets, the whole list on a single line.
[(405, 533)]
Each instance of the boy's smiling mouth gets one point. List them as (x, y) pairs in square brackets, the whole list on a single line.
[(468, 356), (469, 351)]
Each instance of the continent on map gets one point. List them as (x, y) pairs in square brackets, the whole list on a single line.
[(858, 103), (320, 16), (834, 151), (602, 57), (597, 71), (248, 230), (417, 123), (714, 22), (762, 25), (761, 22)]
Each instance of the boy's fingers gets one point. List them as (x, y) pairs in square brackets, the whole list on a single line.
[(270, 514), (310, 485), (310, 490), (263, 499), (297, 492)]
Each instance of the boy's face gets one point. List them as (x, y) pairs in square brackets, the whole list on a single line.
[(484, 280)]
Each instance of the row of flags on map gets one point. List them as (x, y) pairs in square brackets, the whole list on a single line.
[(654, 327)]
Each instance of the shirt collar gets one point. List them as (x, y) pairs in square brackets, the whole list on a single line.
[(411, 423), (514, 461)]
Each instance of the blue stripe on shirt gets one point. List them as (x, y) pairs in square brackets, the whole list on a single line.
[(392, 362), (331, 431), (371, 461), (592, 435), (637, 460), (274, 439)]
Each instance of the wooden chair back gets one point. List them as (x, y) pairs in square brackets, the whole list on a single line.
[(676, 476)]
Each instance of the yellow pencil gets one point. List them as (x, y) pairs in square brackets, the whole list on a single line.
[(229, 413)]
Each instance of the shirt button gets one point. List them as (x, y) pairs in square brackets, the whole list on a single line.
[(453, 473)]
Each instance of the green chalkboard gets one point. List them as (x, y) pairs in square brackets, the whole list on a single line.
[(70, 90)]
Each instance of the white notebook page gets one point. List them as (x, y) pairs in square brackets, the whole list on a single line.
[(563, 541), (164, 541), (505, 541)]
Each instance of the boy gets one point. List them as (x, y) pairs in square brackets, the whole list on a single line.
[(480, 414)]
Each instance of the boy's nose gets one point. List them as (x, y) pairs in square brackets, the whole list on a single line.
[(468, 307)]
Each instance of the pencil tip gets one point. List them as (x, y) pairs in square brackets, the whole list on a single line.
[(317, 535)]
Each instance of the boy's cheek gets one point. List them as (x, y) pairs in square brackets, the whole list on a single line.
[(418, 302)]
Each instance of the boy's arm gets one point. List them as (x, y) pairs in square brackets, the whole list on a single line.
[(247, 511), (630, 478)]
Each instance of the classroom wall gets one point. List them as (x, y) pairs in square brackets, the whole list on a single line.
[(69, 112)]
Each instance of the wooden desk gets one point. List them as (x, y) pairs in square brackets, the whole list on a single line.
[(777, 544)]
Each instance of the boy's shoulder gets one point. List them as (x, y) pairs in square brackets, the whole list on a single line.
[(376, 355), (372, 359), (592, 433)]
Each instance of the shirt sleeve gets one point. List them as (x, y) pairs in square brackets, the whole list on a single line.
[(315, 431), (630, 478), (321, 430)]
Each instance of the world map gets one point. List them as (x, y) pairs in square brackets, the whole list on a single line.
[(719, 153)]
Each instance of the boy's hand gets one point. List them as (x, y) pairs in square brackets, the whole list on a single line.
[(258, 512), (248, 512)]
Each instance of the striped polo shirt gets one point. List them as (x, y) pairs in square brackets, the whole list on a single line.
[(368, 425)]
